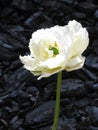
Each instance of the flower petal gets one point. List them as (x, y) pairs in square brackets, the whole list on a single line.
[(30, 64), (54, 62), (49, 72), (39, 37), (75, 63), (79, 36)]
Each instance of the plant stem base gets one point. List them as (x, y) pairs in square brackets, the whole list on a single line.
[(57, 107)]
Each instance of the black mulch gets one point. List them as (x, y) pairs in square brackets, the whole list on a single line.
[(28, 104)]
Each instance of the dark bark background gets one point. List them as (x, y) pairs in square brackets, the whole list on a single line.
[(28, 104)]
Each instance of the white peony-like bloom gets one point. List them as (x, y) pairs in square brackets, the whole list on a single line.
[(55, 49)]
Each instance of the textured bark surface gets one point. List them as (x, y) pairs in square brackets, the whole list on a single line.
[(28, 104)]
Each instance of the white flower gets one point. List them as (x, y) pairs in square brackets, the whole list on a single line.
[(55, 49)]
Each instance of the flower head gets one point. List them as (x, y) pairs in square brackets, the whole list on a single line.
[(55, 49)]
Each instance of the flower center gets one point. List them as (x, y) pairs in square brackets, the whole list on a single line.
[(54, 48), (48, 50)]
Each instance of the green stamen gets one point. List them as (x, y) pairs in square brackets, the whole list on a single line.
[(55, 50)]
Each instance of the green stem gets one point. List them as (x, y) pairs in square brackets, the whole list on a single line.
[(57, 107)]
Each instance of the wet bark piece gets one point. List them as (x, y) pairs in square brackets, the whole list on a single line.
[(42, 114), (72, 88), (38, 20), (93, 114), (87, 9)]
